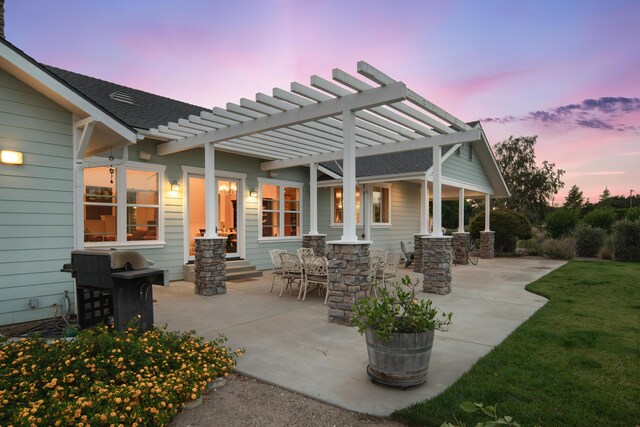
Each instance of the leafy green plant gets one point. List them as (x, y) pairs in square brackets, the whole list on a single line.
[(632, 214), (601, 218), (561, 222), (560, 248), (107, 377), (589, 240), (626, 241), (530, 247), (508, 225), (399, 311), (489, 411)]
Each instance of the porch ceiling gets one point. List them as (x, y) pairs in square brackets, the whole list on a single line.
[(304, 125)]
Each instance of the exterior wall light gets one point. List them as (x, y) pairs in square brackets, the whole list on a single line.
[(253, 192), (9, 157), (174, 185)]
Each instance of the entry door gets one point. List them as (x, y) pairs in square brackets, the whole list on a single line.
[(228, 209)]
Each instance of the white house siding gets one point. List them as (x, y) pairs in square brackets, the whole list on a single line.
[(461, 169), (36, 203), (171, 256), (405, 217)]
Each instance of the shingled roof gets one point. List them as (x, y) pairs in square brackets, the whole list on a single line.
[(391, 163), (136, 108)]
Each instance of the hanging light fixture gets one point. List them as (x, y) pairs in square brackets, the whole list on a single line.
[(174, 185), (112, 170), (253, 192)]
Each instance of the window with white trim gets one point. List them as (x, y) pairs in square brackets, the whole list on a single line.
[(122, 204), (380, 204), (281, 209), (336, 199)]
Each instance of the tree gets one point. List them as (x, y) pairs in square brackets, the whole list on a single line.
[(606, 195), (574, 199), (531, 186)]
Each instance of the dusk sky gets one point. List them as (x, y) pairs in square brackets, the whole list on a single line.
[(567, 71)]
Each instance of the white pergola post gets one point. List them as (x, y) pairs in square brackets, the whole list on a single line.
[(210, 192), (424, 207), (461, 210), (313, 198), (437, 192), (487, 212), (349, 177)]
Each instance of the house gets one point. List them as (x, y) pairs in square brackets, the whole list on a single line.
[(101, 165)]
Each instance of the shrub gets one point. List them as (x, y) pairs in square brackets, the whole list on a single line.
[(561, 222), (508, 225), (106, 377), (589, 240), (560, 248), (531, 247), (633, 214), (626, 241), (601, 218)]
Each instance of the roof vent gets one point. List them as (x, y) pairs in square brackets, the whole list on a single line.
[(122, 96)]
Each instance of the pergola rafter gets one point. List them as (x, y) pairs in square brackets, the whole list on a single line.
[(342, 119)]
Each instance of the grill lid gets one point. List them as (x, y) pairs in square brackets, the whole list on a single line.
[(130, 260)]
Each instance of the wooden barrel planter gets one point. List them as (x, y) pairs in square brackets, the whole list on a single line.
[(401, 362)]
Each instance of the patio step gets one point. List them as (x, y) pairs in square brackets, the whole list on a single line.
[(235, 269)]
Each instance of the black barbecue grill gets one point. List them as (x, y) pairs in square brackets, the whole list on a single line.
[(113, 285)]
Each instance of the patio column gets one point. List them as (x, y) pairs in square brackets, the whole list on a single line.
[(314, 240), (348, 282), (437, 191), (487, 237), (424, 226), (349, 177), (210, 249), (461, 210)]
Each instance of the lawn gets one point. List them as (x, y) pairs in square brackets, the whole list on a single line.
[(575, 362)]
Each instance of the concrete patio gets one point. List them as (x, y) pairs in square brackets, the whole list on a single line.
[(290, 344)]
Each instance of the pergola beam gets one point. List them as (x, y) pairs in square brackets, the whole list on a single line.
[(383, 95), (416, 144)]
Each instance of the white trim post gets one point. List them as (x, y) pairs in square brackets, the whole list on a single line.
[(461, 210), (349, 177), (424, 207), (313, 199), (437, 192), (210, 192), (487, 212)]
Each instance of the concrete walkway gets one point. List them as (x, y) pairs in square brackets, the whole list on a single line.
[(290, 343)]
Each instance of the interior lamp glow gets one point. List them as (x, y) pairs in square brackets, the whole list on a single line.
[(174, 185), (9, 157)]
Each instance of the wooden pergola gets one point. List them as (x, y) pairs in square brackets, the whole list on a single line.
[(342, 119)]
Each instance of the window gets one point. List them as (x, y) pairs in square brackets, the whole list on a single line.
[(281, 211), (122, 204), (337, 205), (380, 205)]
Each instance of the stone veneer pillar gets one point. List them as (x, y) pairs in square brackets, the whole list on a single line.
[(348, 267), (417, 252), (317, 242), (436, 261), (460, 248), (487, 244), (210, 266)]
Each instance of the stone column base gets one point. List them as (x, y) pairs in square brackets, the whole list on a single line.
[(487, 244), (317, 242), (417, 252), (348, 267), (210, 266), (460, 249), (436, 261)]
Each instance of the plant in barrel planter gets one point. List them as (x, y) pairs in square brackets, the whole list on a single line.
[(399, 330)]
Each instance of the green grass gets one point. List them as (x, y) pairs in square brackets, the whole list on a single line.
[(575, 362)]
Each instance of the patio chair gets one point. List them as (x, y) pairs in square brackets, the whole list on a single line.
[(380, 253), (291, 270), (316, 271), (276, 266), (408, 255), (389, 272), (372, 273), (305, 251)]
